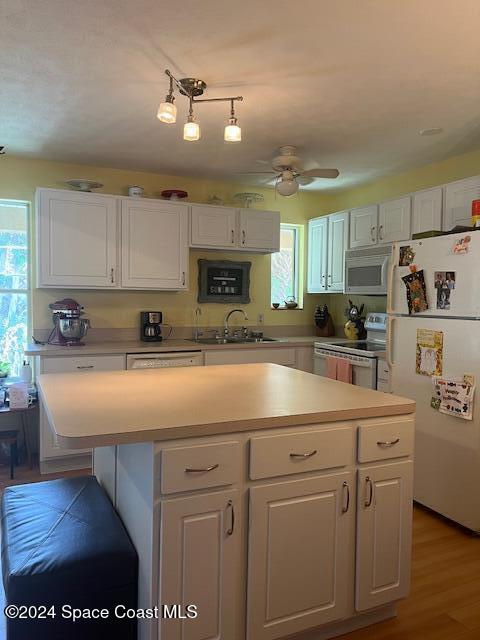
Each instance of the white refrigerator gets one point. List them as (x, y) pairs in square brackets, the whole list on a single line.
[(447, 448)]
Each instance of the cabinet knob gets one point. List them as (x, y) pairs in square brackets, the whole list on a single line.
[(183, 278), (372, 233), (233, 236), (309, 454), (201, 470), (112, 275), (387, 443), (243, 236), (380, 232), (346, 492), (232, 517), (369, 488)]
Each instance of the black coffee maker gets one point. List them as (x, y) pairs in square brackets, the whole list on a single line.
[(151, 326)]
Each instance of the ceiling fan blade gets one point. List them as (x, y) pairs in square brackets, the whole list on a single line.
[(256, 173), (321, 173)]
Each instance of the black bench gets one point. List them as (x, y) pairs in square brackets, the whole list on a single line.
[(63, 545)]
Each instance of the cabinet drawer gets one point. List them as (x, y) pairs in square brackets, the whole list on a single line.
[(279, 355), (386, 440), (71, 364), (383, 372), (285, 454), (200, 466)]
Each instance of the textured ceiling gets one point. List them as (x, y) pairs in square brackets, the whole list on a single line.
[(349, 82)]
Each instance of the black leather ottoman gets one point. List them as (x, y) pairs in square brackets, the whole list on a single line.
[(63, 544)]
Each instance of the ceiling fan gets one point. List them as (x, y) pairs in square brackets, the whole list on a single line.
[(286, 167)]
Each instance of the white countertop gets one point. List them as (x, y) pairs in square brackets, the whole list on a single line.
[(137, 346), (118, 407)]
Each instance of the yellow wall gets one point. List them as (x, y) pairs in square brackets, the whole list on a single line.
[(20, 176), (386, 188)]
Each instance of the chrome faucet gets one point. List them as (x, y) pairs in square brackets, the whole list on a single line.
[(197, 333), (227, 318)]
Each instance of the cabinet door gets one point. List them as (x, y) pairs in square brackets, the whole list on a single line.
[(394, 220), (384, 530), (317, 255), (363, 226), (213, 226), (299, 561), (337, 243), (200, 564), (77, 239), (154, 245), (458, 202), (259, 230), (427, 210)]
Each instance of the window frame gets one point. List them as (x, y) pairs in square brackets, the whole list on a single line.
[(298, 230), (28, 291)]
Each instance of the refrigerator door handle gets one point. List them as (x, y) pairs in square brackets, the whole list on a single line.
[(391, 270), (391, 321)]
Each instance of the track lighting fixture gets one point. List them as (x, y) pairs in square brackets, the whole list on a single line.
[(192, 88)]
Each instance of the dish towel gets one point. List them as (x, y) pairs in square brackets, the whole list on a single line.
[(332, 368), (344, 371)]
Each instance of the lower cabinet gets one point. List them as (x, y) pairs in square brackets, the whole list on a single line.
[(201, 562), (384, 525), (298, 564)]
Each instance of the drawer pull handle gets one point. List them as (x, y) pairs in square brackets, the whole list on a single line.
[(85, 366), (346, 506), (309, 454), (232, 518), (369, 486), (388, 443), (204, 470)]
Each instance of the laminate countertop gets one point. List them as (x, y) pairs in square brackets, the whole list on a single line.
[(118, 407), (137, 346)]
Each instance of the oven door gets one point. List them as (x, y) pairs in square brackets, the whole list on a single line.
[(366, 274), (364, 370)]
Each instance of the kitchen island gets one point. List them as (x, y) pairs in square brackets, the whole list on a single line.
[(277, 502)]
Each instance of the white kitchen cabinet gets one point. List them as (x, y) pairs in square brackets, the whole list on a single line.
[(154, 244), (52, 457), (201, 560), (317, 255), (363, 226), (427, 210), (259, 230), (327, 241), (298, 568), (337, 243), (384, 526), (394, 220), (458, 202), (77, 239), (212, 226)]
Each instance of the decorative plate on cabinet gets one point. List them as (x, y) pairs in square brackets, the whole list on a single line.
[(84, 185)]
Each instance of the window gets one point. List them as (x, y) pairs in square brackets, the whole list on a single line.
[(286, 266), (13, 283)]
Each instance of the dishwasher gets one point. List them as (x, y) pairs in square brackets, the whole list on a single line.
[(164, 360)]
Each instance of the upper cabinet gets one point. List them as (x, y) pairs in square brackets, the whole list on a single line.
[(458, 202), (363, 226), (337, 243), (213, 227), (259, 230), (77, 240), (154, 244), (327, 241), (317, 255), (394, 220), (427, 210)]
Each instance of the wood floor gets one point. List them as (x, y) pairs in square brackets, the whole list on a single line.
[(444, 603)]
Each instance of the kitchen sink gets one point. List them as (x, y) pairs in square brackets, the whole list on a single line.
[(232, 340)]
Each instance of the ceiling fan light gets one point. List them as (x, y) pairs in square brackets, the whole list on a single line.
[(287, 187), (233, 133), (167, 111), (191, 130)]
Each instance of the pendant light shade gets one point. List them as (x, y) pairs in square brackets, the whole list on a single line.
[(167, 111), (287, 187), (233, 132), (191, 130)]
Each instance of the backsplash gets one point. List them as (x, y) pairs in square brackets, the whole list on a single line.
[(337, 303)]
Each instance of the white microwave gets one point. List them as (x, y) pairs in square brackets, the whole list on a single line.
[(366, 270)]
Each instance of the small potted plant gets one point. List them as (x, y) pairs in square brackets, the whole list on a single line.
[(4, 369)]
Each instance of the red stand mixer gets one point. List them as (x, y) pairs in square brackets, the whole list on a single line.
[(69, 328)]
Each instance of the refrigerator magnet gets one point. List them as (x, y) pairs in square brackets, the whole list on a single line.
[(429, 352), (406, 256), (462, 245), (444, 285), (416, 292)]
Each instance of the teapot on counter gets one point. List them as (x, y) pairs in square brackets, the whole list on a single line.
[(291, 303)]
